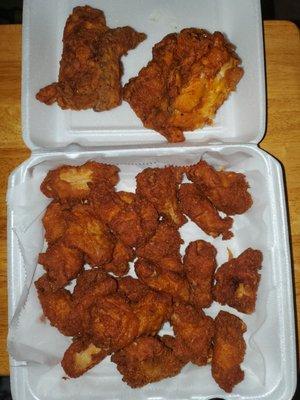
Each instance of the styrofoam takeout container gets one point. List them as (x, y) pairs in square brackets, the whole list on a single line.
[(64, 137)]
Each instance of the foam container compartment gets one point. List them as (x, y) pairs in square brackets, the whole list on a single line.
[(59, 137), (240, 119)]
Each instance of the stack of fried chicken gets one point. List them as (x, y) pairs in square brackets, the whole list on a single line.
[(94, 231)]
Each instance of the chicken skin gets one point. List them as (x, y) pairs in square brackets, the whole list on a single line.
[(146, 360), (229, 350), (189, 77), (237, 281), (159, 186), (71, 184), (227, 190), (90, 67), (201, 211), (199, 265)]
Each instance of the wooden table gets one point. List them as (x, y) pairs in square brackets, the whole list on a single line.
[(282, 138)]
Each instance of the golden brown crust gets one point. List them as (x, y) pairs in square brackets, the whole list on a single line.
[(199, 265), (227, 190), (201, 211), (237, 281), (133, 289), (189, 77), (121, 257), (229, 350), (90, 67), (55, 221)]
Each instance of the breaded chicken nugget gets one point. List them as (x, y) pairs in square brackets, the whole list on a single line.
[(201, 211), (163, 281), (163, 248), (133, 289), (237, 281), (199, 265), (229, 350), (81, 356), (159, 186), (55, 221), (227, 190), (146, 360), (69, 184), (62, 263), (89, 234), (121, 257)]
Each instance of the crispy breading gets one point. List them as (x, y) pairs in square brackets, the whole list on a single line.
[(229, 350), (90, 67), (71, 184), (163, 248), (199, 265), (163, 281), (55, 221), (93, 283), (81, 356), (61, 263), (146, 360), (237, 281), (189, 77), (227, 190), (152, 311), (57, 307), (159, 186), (131, 219), (194, 332), (201, 211), (89, 234), (132, 288), (121, 257)]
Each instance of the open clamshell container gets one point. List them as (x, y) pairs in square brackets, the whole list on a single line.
[(59, 137)]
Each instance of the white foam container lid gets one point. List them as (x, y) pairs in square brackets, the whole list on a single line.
[(57, 137)]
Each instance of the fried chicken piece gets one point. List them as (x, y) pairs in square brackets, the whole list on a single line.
[(55, 221), (227, 190), (152, 311), (121, 257), (111, 322), (132, 288), (163, 248), (89, 234), (194, 332), (93, 283), (229, 350), (61, 263), (199, 265), (90, 67), (201, 211), (237, 281), (159, 186), (189, 77), (131, 219), (146, 360), (81, 356), (162, 281), (69, 184), (57, 307)]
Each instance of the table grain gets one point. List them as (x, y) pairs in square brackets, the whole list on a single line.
[(282, 50)]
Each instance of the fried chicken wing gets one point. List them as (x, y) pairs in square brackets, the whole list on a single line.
[(62, 263), (199, 265), (227, 190), (71, 184), (81, 356), (121, 257), (189, 77), (159, 186), (90, 67), (146, 360), (163, 248), (229, 350), (237, 281), (132, 288), (89, 234), (55, 221), (201, 211), (57, 307), (194, 332), (163, 281)]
